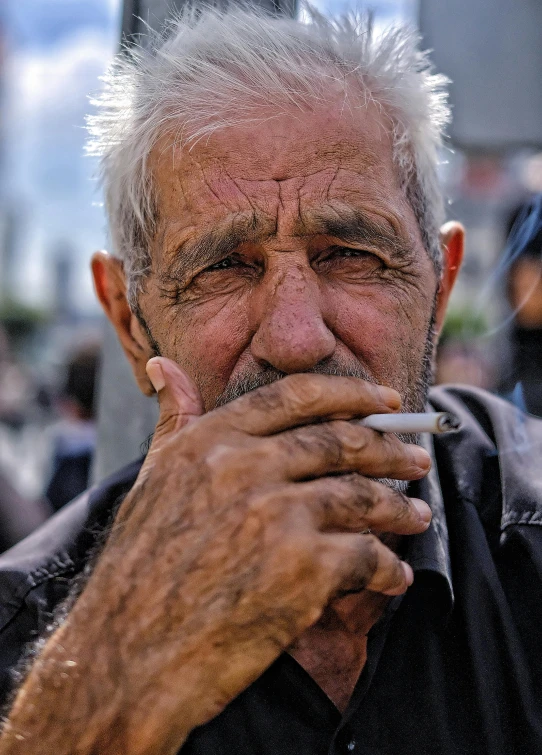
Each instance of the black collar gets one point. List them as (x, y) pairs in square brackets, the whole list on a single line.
[(430, 552)]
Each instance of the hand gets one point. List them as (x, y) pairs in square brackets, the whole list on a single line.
[(242, 525), (235, 536)]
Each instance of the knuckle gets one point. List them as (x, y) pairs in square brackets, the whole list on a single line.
[(318, 439), (371, 545), (170, 423), (380, 496), (402, 508), (395, 448), (354, 438), (329, 444), (268, 505), (364, 494), (399, 455), (390, 576), (398, 578), (332, 561), (302, 394), (230, 467), (297, 553), (370, 559), (267, 398), (220, 456), (287, 515), (352, 487)]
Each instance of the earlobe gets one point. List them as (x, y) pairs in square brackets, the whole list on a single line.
[(452, 241), (111, 290)]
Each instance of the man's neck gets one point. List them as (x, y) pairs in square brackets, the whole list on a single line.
[(334, 650)]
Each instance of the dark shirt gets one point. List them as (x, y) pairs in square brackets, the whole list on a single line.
[(454, 666)]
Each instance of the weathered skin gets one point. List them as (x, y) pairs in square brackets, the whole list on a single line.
[(308, 307), (235, 542)]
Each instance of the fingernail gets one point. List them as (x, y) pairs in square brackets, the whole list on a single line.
[(422, 458), (390, 397), (156, 375), (409, 574), (423, 509)]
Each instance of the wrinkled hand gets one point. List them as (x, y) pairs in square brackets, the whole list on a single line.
[(245, 522), (242, 526)]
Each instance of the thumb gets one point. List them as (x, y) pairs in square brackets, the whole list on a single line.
[(178, 396)]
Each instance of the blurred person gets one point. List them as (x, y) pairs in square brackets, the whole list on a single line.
[(521, 371), (462, 362), (14, 385), (274, 577), (19, 515), (461, 356), (75, 436)]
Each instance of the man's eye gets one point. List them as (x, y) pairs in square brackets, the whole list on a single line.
[(344, 260), (224, 264), (340, 253), (345, 251)]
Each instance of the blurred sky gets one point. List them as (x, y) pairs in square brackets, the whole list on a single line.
[(55, 51)]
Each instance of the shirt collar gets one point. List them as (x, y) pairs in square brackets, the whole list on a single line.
[(429, 552)]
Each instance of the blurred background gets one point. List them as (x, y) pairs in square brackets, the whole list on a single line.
[(69, 411)]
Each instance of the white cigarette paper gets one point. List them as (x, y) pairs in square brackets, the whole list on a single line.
[(427, 422)]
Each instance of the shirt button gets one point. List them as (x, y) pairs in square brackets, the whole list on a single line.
[(351, 746)]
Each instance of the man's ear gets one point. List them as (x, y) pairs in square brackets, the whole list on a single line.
[(452, 242), (110, 285)]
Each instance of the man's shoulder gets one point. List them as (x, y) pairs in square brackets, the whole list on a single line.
[(480, 406), (496, 454), (61, 547)]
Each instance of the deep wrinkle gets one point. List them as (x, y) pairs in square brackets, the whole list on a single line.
[(350, 225), (211, 247), (153, 343), (299, 298), (415, 401), (242, 384)]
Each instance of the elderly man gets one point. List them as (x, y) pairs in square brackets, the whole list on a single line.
[(262, 583)]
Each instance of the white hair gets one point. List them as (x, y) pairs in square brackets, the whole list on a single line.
[(210, 69)]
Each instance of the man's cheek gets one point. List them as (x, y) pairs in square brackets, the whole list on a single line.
[(209, 345), (207, 315), (212, 291), (378, 333)]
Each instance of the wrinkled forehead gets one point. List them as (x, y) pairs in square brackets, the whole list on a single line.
[(288, 162)]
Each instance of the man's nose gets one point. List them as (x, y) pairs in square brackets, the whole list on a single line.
[(291, 335)]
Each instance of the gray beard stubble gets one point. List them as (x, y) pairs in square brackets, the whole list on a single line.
[(414, 400)]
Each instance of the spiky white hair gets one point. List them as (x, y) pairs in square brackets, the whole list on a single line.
[(210, 69)]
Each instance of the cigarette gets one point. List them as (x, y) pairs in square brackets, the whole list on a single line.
[(427, 422)]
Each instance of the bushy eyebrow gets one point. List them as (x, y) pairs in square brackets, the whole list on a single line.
[(349, 225), (355, 227), (223, 239)]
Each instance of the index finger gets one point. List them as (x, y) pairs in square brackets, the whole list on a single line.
[(305, 398)]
